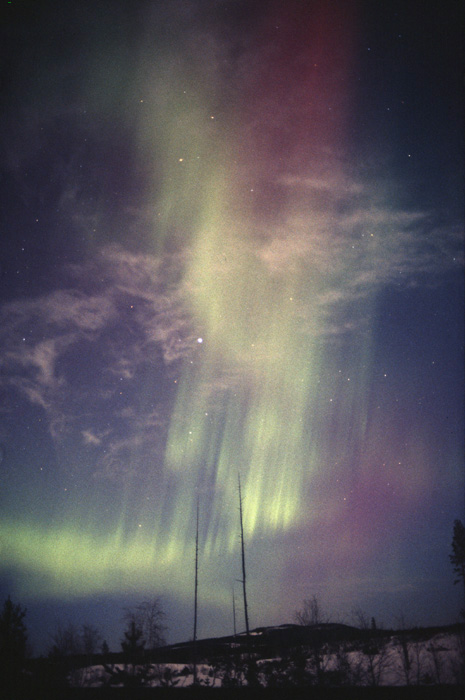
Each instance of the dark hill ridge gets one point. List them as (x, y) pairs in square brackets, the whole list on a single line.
[(269, 642), (264, 641)]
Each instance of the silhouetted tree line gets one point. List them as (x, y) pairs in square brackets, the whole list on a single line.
[(13, 643), (457, 557)]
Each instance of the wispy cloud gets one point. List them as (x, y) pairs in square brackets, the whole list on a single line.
[(91, 438), (354, 243), (121, 305), (135, 308)]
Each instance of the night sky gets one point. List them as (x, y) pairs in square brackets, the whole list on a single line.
[(231, 243)]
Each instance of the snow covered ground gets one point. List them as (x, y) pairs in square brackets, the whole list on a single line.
[(390, 661)]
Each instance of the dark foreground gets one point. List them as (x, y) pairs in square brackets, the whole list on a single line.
[(438, 692)]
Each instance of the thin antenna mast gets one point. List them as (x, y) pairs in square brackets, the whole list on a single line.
[(246, 614), (195, 595), (234, 611)]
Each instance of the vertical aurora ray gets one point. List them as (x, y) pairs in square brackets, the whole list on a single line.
[(248, 400)]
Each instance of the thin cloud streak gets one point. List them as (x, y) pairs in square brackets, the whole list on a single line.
[(370, 248)]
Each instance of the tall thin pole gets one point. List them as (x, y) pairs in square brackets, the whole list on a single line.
[(234, 612), (195, 594), (246, 614)]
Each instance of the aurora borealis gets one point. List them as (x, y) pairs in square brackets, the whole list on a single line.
[(232, 244)]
